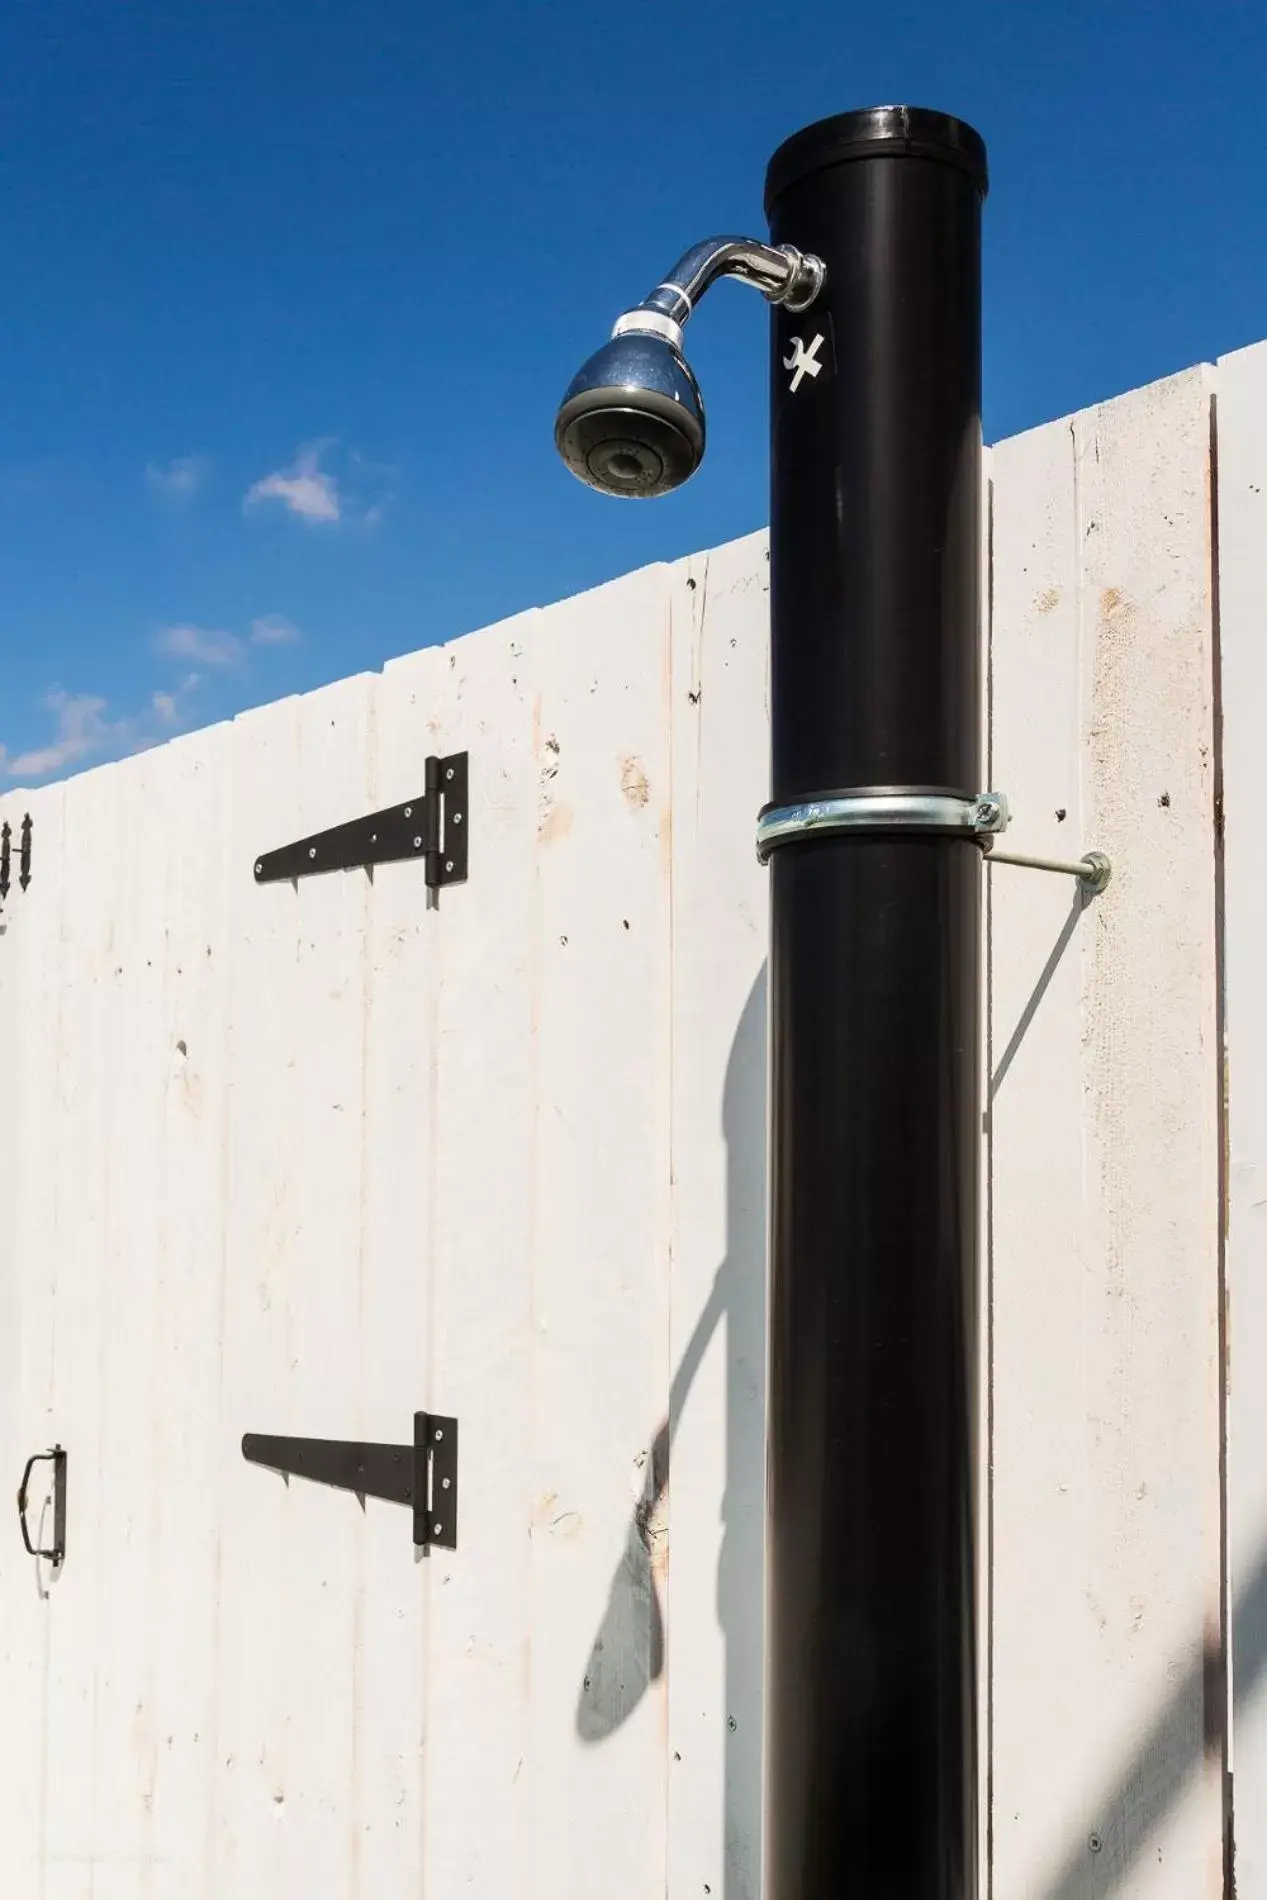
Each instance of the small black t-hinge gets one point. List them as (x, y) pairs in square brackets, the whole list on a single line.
[(6, 855)]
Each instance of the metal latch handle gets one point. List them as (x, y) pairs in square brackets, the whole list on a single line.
[(57, 1457)]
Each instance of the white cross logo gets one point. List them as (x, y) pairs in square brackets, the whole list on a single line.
[(803, 361)]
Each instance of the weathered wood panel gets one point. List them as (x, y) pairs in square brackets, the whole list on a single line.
[(1106, 1673), (307, 1158), (32, 994), (1242, 441), (709, 1497), (471, 1146), (244, 1819)]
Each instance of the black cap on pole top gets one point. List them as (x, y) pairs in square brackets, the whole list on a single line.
[(906, 132)]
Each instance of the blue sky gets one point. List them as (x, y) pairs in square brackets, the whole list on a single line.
[(291, 292)]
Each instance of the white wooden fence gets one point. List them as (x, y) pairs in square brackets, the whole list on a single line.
[(307, 1158)]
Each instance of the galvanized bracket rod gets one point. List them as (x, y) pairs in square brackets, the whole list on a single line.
[(1093, 870)]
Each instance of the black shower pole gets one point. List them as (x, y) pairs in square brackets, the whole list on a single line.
[(875, 1014), (874, 835)]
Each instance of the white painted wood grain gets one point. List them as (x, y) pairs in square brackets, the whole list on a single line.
[(31, 982), (473, 1154), (181, 1389), (505, 1158), (715, 1492), (599, 1249), (1242, 495), (79, 1841), (243, 1825), (320, 1648), (1106, 1532), (128, 1580), (396, 1268)]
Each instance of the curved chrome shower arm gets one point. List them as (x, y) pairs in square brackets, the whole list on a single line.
[(781, 273)]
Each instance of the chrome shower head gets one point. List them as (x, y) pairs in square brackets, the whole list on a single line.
[(632, 419)]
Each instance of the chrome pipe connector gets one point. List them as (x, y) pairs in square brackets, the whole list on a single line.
[(780, 272)]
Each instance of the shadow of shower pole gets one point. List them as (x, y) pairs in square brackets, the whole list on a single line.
[(628, 1652), (1187, 1731)]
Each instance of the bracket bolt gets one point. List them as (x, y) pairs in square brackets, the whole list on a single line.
[(1098, 872)]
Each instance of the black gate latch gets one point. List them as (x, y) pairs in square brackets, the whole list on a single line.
[(424, 1474), (56, 1551), (432, 827)]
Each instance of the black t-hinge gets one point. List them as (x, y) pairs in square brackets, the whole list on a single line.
[(6, 855), (423, 1475), (433, 827)]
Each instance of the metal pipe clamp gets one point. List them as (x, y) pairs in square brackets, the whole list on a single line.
[(882, 809)]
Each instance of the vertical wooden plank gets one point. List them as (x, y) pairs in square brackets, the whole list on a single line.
[(30, 982), (98, 888), (1034, 957), (474, 1156), (1104, 1119), (320, 1657), (713, 1510), (393, 1267), (400, 1134), (182, 1387), (289, 1642), (1242, 458), (600, 1232), (128, 990), (246, 1821)]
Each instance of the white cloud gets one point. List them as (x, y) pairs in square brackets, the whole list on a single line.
[(80, 731), (83, 731), (168, 712), (274, 630), (209, 646), (305, 488), (179, 479)]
